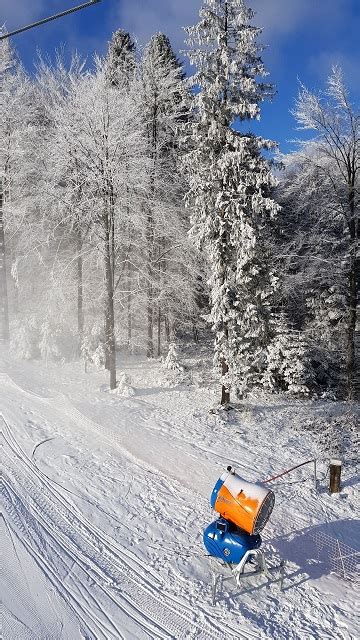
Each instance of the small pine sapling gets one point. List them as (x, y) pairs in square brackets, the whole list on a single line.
[(171, 361)]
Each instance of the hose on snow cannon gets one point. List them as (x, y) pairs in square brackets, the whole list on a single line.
[(244, 507)]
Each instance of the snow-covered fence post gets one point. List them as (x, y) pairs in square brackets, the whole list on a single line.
[(315, 476), (335, 475), (282, 574), (341, 558)]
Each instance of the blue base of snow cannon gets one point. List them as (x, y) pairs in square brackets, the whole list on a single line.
[(224, 540)]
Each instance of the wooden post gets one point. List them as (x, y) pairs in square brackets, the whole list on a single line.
[(335, 474)]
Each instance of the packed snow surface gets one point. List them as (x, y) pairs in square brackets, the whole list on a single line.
[(105, 498)]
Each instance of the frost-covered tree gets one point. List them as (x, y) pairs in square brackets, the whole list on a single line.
[(318, 244), (61, 192), (14, 113), (335, 155), (230, 186), (121, 59), (121, 69), (102, 133), (311, 252), (169, 255)]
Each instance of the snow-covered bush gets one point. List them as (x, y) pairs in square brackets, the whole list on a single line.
[(99, 357), (124, 387), (93, 345), (175, 372)]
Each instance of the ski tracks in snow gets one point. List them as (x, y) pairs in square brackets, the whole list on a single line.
[(111, 592)]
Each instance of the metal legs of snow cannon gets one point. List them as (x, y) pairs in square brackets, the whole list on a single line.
[(254, 558), (257, 558)]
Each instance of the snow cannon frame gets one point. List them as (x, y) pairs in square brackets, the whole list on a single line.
[(248, 505)]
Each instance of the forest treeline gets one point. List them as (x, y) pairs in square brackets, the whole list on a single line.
[(137, 209)]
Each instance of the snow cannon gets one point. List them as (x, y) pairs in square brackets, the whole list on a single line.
[(248, 505), (224, 540)]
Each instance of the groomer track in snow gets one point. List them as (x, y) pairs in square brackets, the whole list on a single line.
[(91, 572), (103, 513)]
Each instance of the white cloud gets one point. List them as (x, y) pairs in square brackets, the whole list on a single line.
[(277, 17), (143, 18)]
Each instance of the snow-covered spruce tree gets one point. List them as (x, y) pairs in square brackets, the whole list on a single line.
[(169, 256), (121, 59), (172, 359), (230, 187), (288, 365)]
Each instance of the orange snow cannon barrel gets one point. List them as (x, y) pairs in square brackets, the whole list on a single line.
[(248, 505)]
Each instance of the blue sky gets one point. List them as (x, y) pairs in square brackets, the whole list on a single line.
[(303, 37)]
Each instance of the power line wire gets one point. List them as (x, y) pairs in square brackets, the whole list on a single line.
[(45, 20)]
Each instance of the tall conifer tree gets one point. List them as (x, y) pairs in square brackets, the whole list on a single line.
[(230, 186)]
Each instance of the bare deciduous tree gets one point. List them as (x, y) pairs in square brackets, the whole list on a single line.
[(337, 159)]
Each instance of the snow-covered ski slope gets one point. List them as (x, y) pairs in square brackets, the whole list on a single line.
[(104, 500)]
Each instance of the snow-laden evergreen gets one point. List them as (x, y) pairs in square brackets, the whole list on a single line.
[(288, 364), (171, 361), (230, 186)]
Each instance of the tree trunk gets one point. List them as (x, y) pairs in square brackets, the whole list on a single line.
[(149, 291), (350, 354), (167, 329), (4, 308), (150, 341), (106, 331), (353, 286), (225, 393), (161, 264), (80, 291), (129, 308), (335, 476), (159, 331), (109, 306), (150, 234)]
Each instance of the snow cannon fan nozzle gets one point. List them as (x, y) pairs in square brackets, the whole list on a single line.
[(244, 507)]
